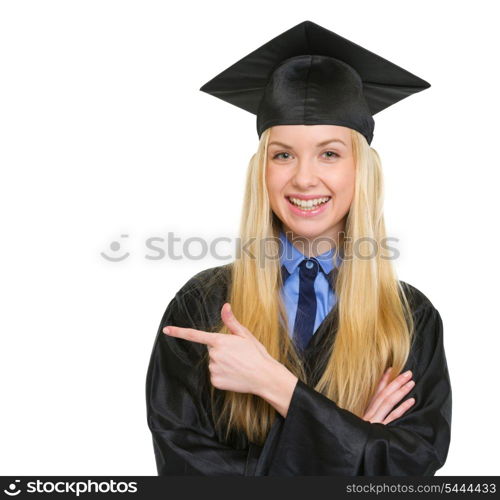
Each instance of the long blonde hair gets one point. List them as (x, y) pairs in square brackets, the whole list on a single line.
[(374, 326)]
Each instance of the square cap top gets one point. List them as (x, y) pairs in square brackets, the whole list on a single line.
[(310, 75)]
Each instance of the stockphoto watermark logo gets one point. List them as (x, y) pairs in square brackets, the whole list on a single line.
[(225, 249), (75, 488), (14, 488)]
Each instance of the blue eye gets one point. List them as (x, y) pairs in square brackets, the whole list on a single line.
[(334, 154), (279, 154)]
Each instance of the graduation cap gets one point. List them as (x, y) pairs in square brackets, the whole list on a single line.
[(309, 75)]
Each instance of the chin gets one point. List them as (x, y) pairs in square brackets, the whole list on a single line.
[(308, 230)]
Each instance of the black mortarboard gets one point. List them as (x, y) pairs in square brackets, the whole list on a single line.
[(309, 75)]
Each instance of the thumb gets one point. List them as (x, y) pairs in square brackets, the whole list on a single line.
[(232, 323)]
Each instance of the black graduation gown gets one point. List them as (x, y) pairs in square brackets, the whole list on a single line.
[(317, 437)]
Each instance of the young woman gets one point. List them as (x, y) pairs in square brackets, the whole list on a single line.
[(306, 355)]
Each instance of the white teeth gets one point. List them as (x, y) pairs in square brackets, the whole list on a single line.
[(309, 203)]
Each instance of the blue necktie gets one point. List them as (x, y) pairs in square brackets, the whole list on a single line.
[(306, 308)]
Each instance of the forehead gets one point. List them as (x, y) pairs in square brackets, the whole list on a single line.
[(309, 135)]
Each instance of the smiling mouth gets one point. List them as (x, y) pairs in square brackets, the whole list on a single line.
[(308, 204)]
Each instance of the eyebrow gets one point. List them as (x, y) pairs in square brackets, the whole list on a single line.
[(324, 143)]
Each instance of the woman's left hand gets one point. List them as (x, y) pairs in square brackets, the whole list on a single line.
[(238, 362)]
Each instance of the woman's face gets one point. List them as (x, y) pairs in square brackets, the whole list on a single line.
[(310, 178)]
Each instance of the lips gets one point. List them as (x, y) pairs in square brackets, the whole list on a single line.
[(308, 203), (308, 211), (306, 196)]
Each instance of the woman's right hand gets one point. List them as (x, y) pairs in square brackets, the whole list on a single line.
[(387, 396)]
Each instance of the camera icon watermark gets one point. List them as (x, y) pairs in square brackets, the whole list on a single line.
[(12, 490)]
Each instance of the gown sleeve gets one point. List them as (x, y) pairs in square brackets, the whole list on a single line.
[(320, 438), (184, 439)]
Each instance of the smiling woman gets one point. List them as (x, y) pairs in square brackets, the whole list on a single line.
[(313, 184), (298, 357)]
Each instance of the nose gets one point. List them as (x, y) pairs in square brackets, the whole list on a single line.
[(304, 176)]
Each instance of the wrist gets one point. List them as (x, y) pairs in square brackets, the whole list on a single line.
[(278, 386)]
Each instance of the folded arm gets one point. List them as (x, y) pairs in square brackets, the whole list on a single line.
[(320, 438)]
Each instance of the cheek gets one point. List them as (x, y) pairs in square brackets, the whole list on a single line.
[(275, 182), (342, 184), (347, 185)]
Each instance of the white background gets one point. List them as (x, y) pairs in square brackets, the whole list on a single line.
[(104, 132)]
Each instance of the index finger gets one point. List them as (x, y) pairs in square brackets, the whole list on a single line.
[(190, 334), (398, 382), (383, 381), (384, 392)]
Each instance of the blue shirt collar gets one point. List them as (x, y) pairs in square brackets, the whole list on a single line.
[(291, 257)]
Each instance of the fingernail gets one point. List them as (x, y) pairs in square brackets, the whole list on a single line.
[(166, 330), (411, 383), (407, 374)]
